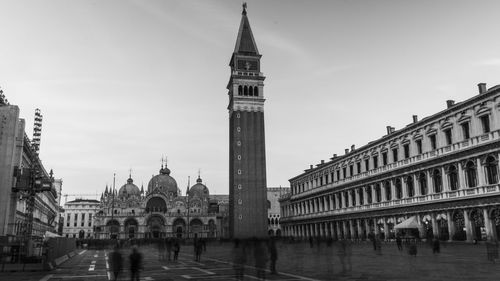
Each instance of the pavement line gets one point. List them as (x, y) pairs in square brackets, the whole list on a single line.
[(204, 270), (46, 277), (82, 252), (93, 262), (81, 276), (92, 267), (96, 255)]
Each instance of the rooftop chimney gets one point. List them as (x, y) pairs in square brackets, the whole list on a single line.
[(415, 118), (346, 150), (482, 88), (353, 147), (449, 103), (311, 167), (389, 130), (322, 161)]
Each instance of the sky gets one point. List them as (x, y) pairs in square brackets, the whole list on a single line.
[(122, 84)]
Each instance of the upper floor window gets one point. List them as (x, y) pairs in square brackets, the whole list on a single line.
[(395, 155), (369, 195), (465, 130), (399, 189), (378, 193), (453, 177), (388, 193), (367, 164), (344, 172), (491, 167), (437, 181), (338, 174), (470, 174), (410, 186), (375, 162), (447, 134), (485, 123), (361, 197), (384, 158), (358, 167), (351, 170), (353, 197), (406, 148), (422, 182), (432, 139), (419, 146)]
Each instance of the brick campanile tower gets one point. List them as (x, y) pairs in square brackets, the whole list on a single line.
[(247, 154)]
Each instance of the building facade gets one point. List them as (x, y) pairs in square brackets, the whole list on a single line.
[(247, 155), (160, 211), (79, 217), (273, 209), (442, 170), (17, 153)]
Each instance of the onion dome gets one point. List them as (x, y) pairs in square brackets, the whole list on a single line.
[(164, 182), (129, 189), (199, 189)]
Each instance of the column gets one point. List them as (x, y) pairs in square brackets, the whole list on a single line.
[(351, 228), (487, 225), (360, 230), (330, 197), (404, 186), (339, 229), (344, 229), (332, 230), (326, 203), (386, 229), (321, 232), (367, 226), (357, 195), (349, 198), (315, 205), (481, 178), (430, 185), (374, 195), (377, 230), (416, 185), (393, 188), (468, 226), (383, 192), (451, 225), (445, 180), (461, 176), (435, 228), (365, 194)]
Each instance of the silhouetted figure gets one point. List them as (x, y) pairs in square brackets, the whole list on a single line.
[(162, 250), (177, 248), (344, 253), (116, 262), (372, 238), (239, 258), (260, 255), (198, 248), (135, 264), (436, 248), (169, 249), (378, 245), (399, 242), (273, 254)]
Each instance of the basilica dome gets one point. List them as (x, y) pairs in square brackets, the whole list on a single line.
[(164, 182), (129, 189), (199, 188)]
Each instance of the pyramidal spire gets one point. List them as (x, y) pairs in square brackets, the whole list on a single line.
[(245, 43)]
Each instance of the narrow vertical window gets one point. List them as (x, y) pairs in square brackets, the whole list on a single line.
[(358, 167), (375, 162), (344, 172), (447, 134), (491, 170), (406, 148), (419, 146), (351, 170), (367, 164), (240, 90), (384, 158), (465, 130), (432, 140), (485, 123), (256, 91), (395, 155)]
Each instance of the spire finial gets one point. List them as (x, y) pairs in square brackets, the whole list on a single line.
[(162, 161), (130, 173), (199, 171), (244, 9)]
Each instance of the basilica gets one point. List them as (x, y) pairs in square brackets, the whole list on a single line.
[(160, 211)]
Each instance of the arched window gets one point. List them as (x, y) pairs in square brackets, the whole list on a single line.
[(388, 193), (437, 181), (422, 182), (378, 193), (399, 189), (453, 177), (250, 91), (410, 186), (256, 91), (470, 173), (353, 197), (240, 90), (245, 91), (491, 167), (369, 195)]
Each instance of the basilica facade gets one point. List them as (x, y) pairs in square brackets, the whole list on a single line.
[(160, 211)]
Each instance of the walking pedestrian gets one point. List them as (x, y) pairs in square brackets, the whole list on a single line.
[(135, 264), (177, 248), (399, 242), (198, 248), (169, 249), (116, 262)]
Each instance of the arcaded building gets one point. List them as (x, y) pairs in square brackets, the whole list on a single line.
[(441, 171), (160, 211)]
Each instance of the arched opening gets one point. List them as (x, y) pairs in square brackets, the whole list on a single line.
[(278, 232), (353, 197), (477, 221), (156, 226), (156, 204), (459, 221), (442, 223), (131, 227), (270, 232), (378, 193), (453, 177), (195, 228), (422, 182), (178, 227), (388, 193), (495, 218), (410, 186), (361, 196), (256, 91), (427, 223), (113, 227), (491, 167), (399, 189), (245, 91), (240, 90), (437, 181), (250, 91), (471, 174)]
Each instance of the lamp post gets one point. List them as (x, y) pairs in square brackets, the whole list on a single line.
[(188, 207)]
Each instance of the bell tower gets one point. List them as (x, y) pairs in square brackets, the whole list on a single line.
[(247, 154)]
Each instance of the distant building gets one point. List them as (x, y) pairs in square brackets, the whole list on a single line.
[(161, 211), (273, 209), (441, 172), (18, 152), (79, 217)]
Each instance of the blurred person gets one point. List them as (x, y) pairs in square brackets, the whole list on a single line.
[(116, 262), (168, 246), (161, 249), (135, 259), (436, 248), (177, 248), (273, 254), (198, 248), (399, 242), (378, 244)]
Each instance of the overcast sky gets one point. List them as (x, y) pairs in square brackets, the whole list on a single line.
[(123, 83)]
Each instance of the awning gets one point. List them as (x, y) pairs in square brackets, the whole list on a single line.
[(409, 223)]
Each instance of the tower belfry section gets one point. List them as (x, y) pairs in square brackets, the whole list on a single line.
[(247, 155)]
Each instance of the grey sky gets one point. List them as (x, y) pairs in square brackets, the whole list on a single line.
[(121, 83)]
